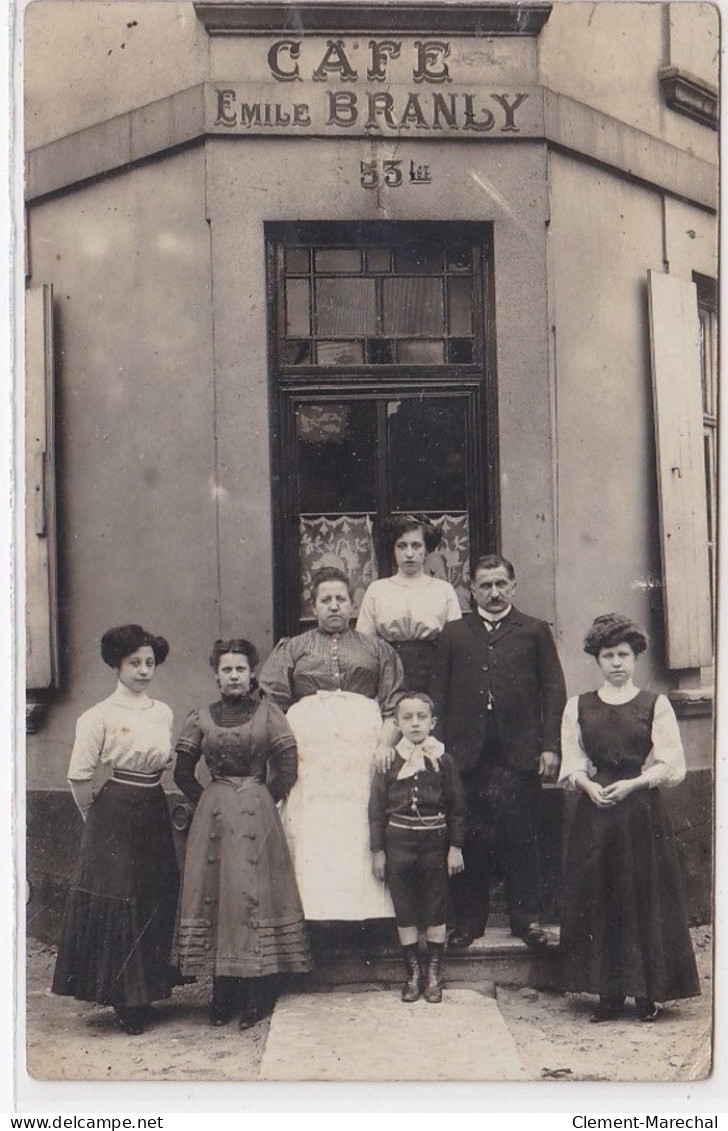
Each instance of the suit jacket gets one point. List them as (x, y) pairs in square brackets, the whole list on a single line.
[(519, 666)]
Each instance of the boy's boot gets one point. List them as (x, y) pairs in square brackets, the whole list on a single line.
[(433, 983), (412, 988)]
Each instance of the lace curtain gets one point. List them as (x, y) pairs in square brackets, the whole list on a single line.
[(345, 542)]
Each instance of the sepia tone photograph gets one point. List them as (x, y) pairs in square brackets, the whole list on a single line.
[(370, 402)]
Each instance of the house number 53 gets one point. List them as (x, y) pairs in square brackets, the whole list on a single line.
[(390, 174), (376, 173)]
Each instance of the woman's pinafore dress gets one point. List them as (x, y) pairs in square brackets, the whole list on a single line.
[(624, 927), (240, 911)]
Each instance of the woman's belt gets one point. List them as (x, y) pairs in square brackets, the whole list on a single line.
[(133, 777), (403, 821)]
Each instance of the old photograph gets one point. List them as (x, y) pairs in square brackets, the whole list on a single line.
[(370, 408)]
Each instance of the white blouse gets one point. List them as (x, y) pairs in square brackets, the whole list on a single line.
[(665, 764), (124, 733), (402, 610)]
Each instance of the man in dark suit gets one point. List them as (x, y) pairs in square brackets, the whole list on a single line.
[(500, 693)]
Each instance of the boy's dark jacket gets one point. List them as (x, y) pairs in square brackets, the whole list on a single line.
[(438, 791)]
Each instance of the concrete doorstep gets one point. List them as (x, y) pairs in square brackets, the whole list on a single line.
[(373, 1035)]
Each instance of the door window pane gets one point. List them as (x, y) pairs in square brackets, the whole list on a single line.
[(460, 259), (412, 306), (419, 352), (418, 259), (379, 259), (297, 353), (297, 261), (298, 319), (336, 450), (338, 259), (460, 313), (340, 353), (380, 351), (427, 454), (460, 351), (346, 308)]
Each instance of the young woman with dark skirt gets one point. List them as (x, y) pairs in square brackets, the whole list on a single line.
[(240, 916), (118, 927), (624, 929)]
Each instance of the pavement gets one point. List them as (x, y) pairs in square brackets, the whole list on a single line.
[(349, 1036)]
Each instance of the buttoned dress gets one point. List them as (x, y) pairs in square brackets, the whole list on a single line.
[(240, 911), (335, 688)]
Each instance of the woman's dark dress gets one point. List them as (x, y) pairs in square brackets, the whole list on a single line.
[(624, 926), (240, 911)]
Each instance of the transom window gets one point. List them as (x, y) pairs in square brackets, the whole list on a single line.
[(397, 303)]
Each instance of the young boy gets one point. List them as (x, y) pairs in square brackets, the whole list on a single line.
[(417, 814)]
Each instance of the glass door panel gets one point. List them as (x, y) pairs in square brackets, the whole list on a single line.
[(336, 456), (427, 441)]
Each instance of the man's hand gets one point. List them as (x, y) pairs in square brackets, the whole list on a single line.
[(548, 765), (383, 757), (455, 862), (379, 863)]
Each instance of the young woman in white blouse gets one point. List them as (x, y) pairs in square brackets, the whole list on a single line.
[(624, 930), (116, 938), (409, 609)]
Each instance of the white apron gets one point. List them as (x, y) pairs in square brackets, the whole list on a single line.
[(326, 814)]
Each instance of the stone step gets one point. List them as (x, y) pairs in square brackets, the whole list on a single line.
[(373, 958)]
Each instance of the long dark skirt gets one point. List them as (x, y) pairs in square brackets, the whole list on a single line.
[(240, 911), (118, 927), (624, 927), (417, 657)]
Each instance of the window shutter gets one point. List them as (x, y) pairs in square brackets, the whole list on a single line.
[(41, 614), (676, 385)]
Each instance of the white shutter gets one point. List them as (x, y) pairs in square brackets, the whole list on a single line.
[(41, 615), (676, 385)]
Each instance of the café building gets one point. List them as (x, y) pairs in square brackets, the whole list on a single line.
[(293, 267)]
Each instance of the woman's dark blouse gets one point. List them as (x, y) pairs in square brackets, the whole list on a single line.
[(238, 738)]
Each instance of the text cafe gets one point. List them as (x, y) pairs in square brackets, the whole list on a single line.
[(292, 268)]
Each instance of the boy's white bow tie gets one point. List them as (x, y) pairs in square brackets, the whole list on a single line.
[(414, 755)]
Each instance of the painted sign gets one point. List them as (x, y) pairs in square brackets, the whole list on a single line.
[(264, 108)]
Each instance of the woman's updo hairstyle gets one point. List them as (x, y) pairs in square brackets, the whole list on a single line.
[(611, 629), (328, 573), (396, 525), (118, 643), (237, 644)]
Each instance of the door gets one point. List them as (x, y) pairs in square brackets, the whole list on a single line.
[(382, 400)]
